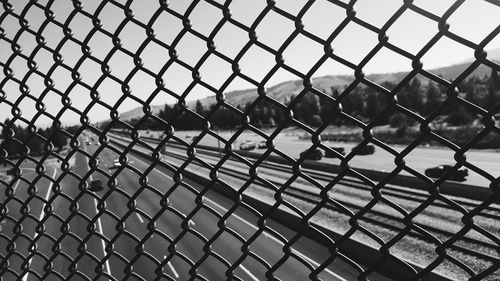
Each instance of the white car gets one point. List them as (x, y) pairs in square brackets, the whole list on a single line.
[(116, 163), (247, 145)]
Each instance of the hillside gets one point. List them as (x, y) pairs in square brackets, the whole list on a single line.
[(138, 112), (283, 91)]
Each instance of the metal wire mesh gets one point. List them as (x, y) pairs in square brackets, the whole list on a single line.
[(55, 228)]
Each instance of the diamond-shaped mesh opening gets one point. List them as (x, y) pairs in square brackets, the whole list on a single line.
[(229, 140)]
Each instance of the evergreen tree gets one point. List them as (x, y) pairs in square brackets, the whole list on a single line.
[(58, 138), (353, 103), (327, 110), (35, 144), (225, 118), (399, 120), (256, 116), (415, 96), (494, 79), (168, 113), (199, 108), (316, 120), (433, 98), (460, 116), (8, 143), (404, 96), (307, 107), (372, 104), (492, 97), (469, 88), (335, 92), (493, 92)]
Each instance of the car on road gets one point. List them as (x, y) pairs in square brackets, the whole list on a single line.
[(438, 171), (367, 150), (262, 144), (316, 154), (96, 185), (248, 145), (332, 154)]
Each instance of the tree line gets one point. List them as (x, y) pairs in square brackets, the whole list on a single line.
[(363, 103), (23, 139)]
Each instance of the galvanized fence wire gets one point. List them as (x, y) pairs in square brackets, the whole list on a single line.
[(442, 246)]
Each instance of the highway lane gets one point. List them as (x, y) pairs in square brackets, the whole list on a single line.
[(419, 159), (10, 222), (24, 212), (204, 222), (74, 241), (67, 248), (343, 192), (69, 226), (136, 230), (437, 217), (75, 231)]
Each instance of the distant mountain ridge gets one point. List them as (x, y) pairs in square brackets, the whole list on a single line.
[(283, 91)]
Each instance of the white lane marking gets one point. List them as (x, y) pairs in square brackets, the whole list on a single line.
[(99, 228), (47, 195), (29, 169), (18, 181), (313, 262), (176, 275), (190, 222), (249, 273), (17, 184), (42, 213), (100, 231), (225, 210), (279, 242), (139, 217)]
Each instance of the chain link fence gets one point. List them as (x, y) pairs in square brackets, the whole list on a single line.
[(231, 190)]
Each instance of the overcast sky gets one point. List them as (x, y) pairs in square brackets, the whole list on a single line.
[(473, 20)]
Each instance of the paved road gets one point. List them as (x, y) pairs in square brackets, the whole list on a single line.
[(54, 252), (419, 159), (137, 234), (201, 228)]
